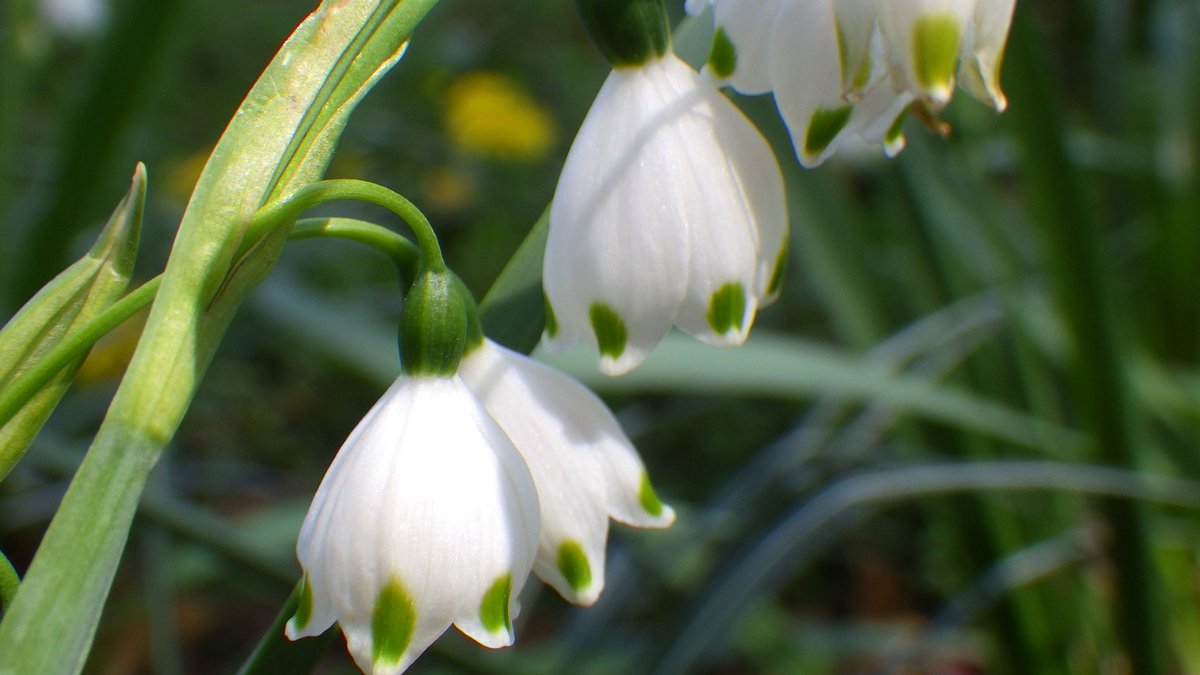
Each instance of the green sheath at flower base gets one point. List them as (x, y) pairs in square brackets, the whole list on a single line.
[(628, 32), (433, 325), (69, 301)]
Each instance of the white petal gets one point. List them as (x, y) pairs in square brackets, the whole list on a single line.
[(858, 46), (616, 254), (663, 172), (878, 118), (924, 38), (980, 70), (735, 215), (584, 466), (427, 495), (806, 72), (745, 24)]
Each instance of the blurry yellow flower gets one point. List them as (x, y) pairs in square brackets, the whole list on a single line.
[(447, 191), (489, 114)]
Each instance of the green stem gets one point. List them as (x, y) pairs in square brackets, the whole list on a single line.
[(9, 580), (323, 192), (28, 383), (393, 245), (1101, 392)]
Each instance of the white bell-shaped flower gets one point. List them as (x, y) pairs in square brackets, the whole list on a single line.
[(924, 39), (669, 210), (842, 67), (427, 517), (585, 468)]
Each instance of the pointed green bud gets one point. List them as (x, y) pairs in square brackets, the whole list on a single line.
[(70, 300), (433, 324), (628, 32)]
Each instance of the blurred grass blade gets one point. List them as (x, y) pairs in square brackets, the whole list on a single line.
[(70, 300), (282, 137), (8, 583), (514, 310), (770, 365), (1081, 271)]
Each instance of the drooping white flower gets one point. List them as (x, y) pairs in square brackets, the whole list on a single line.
[(75, 18), (826, 59), (585, 468), (669, 210), (427, 517)]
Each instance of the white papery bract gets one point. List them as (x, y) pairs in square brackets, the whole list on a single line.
[(669, 210), (585, 468), (826, 59), (427, 517)]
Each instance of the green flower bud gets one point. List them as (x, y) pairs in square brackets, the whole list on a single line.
[(434, 324), (72, 299), (628, 32)]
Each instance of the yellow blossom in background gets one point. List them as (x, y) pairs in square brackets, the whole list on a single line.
[(110, 356), (490, 115)]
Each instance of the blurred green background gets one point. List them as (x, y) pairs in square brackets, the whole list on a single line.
[(901, 472)]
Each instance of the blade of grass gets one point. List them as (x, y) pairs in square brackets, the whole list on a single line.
[(1085, 298)]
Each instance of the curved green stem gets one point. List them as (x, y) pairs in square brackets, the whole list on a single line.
[(8, 583), (395, 246), (322, 192)]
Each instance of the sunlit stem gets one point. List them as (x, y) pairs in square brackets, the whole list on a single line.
[(323, 192), (396, 247)]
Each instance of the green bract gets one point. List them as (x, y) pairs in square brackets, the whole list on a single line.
[(627, 32), (433, 325)]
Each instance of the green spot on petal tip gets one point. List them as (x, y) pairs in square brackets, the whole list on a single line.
[(727, 308), (392, 624), (551, 319), (304, 605), (777, 273), (611, 336), (723, 59), (493, 611), (824, 126), (935, 51), (574, 566), (649, 500)]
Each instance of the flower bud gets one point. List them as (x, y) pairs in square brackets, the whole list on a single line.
[(628, 32)]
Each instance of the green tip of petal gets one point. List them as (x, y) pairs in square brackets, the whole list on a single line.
[(648, 498), (935, 51), (723, 59), (392, 624), (896, 132), (824, 126), (551, 319), (777, 273), (304, 605), (493, 611), (727, 308), (609, 328), (573, 564)]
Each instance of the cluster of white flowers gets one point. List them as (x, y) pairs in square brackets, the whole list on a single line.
[(844, 67), (450, 491), (670, 210)]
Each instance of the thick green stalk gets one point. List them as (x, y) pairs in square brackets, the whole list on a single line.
[(281, 138), (1083, 286)]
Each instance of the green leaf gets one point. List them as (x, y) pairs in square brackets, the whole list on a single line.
[(513, 312), (772, 365), (69, 301)]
